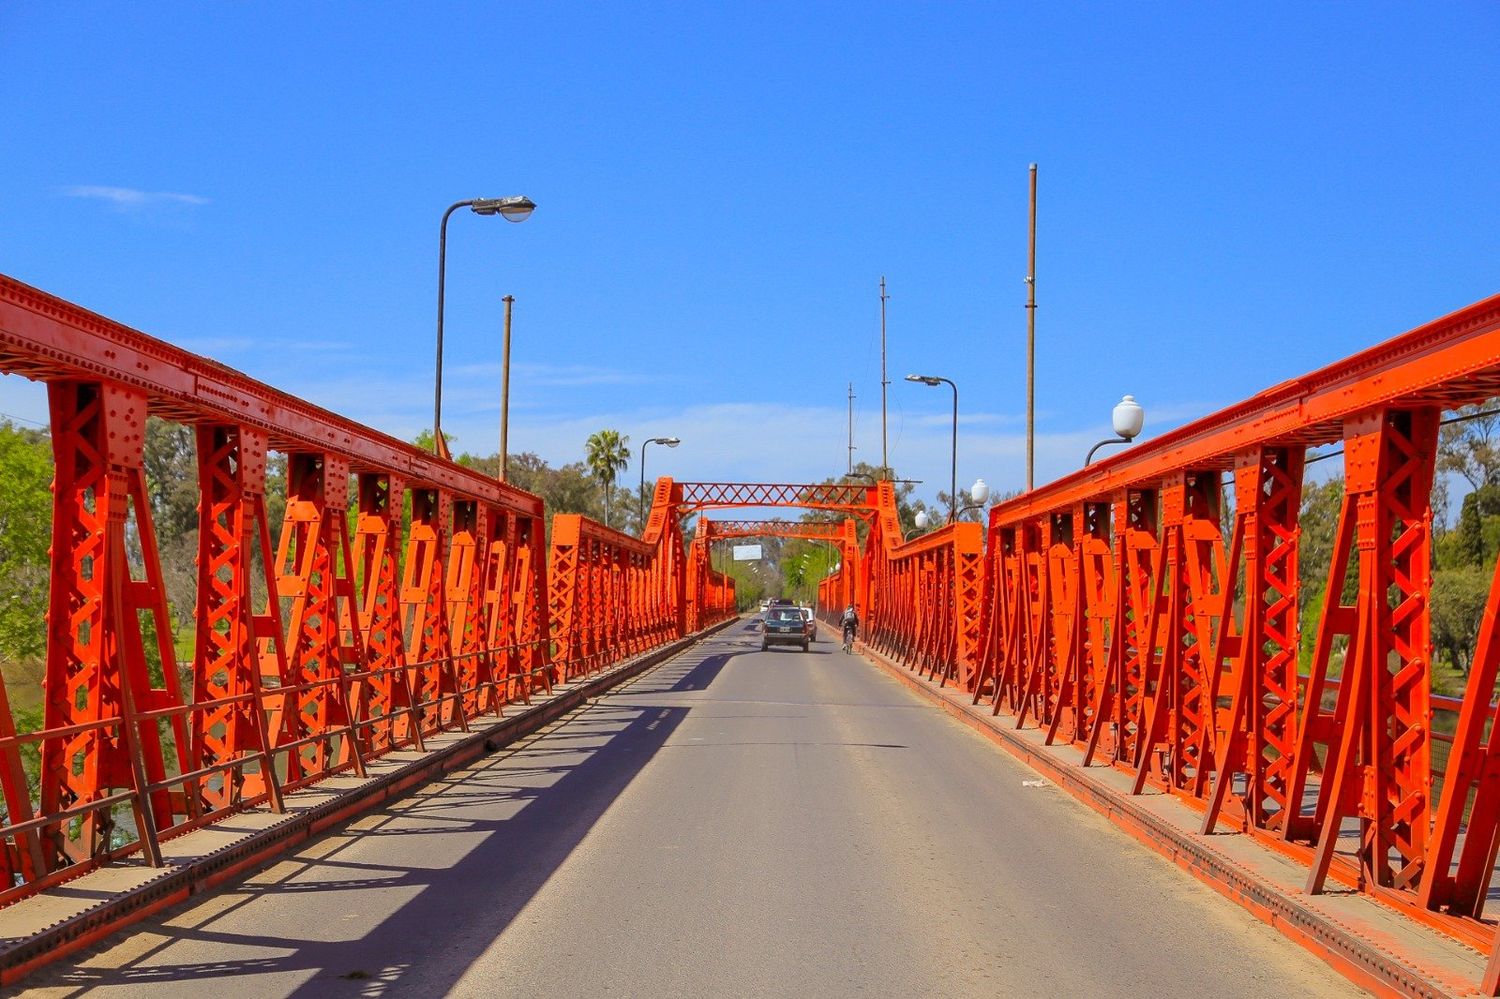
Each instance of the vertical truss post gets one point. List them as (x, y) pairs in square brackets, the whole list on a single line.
[(968, 600), (388, 695), (1064, 572), (1257, 737), (1008, 612), (468, 623), (1097, 610), (226, 663), (1379, 762), (1188, 602), (313, 565), (535, 635), (97, 672), (425, 611), (1036, 598), (498, 606), (565, 587)]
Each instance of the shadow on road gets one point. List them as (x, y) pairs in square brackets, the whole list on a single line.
[(440, 875)]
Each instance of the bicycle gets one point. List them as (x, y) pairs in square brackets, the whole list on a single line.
[(848, 640)]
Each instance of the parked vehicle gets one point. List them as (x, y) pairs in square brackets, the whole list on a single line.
[(784, 626), (812, 625)]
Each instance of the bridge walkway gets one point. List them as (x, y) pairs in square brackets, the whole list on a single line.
[(733, 822)]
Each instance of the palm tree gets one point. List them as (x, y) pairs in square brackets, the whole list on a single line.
[(607, 456)]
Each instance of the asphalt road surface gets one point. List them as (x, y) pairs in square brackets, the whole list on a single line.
[(733, 823)]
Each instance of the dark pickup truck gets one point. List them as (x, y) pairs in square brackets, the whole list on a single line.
[(785, 626)]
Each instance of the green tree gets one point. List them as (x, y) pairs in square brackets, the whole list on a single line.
[(424, 439), (170, 461), (1475, 539), (607, 455), (25, 535), (804, 564), (171, 470), (1317, 526), (1458, 599), (1469, 445), (864, 474)]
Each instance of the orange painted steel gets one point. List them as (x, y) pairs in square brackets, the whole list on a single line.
[(375, 636), (614, 596), (1137, 610), (840, 533), (918, 600), (855, 498), (807, 530), (1133, 608), (674, 500)]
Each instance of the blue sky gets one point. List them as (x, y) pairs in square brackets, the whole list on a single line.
[(1230, 195)]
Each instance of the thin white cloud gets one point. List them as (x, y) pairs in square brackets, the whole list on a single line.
[(125, 199), (945, 419), (554, 375), (221, 347)]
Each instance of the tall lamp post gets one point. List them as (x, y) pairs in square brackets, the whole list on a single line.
[(509, 301), (934, 381), (1129, 418), (513, 209), (669, 442)]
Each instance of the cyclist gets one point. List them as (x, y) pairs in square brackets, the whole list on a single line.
[(851, 626)]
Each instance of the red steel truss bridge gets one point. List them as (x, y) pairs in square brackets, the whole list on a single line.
[(1130, 631)]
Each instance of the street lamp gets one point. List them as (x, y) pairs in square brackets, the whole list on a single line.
[(934, 381), (1129, 418), (513, 209), (978, 493), (669, 442)]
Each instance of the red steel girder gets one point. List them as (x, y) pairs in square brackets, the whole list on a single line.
[(812, 530), (46, 338), (853, 498), (1447, 363)]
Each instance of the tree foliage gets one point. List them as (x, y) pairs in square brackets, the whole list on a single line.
[(25, 535), (607, 454), (1469, 445), (1464, 556)]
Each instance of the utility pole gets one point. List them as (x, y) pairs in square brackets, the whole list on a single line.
[(885, 462), (1031, 341), (851, 428), (509, 301)]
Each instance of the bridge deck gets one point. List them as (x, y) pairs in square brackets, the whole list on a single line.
[(734, 822)]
